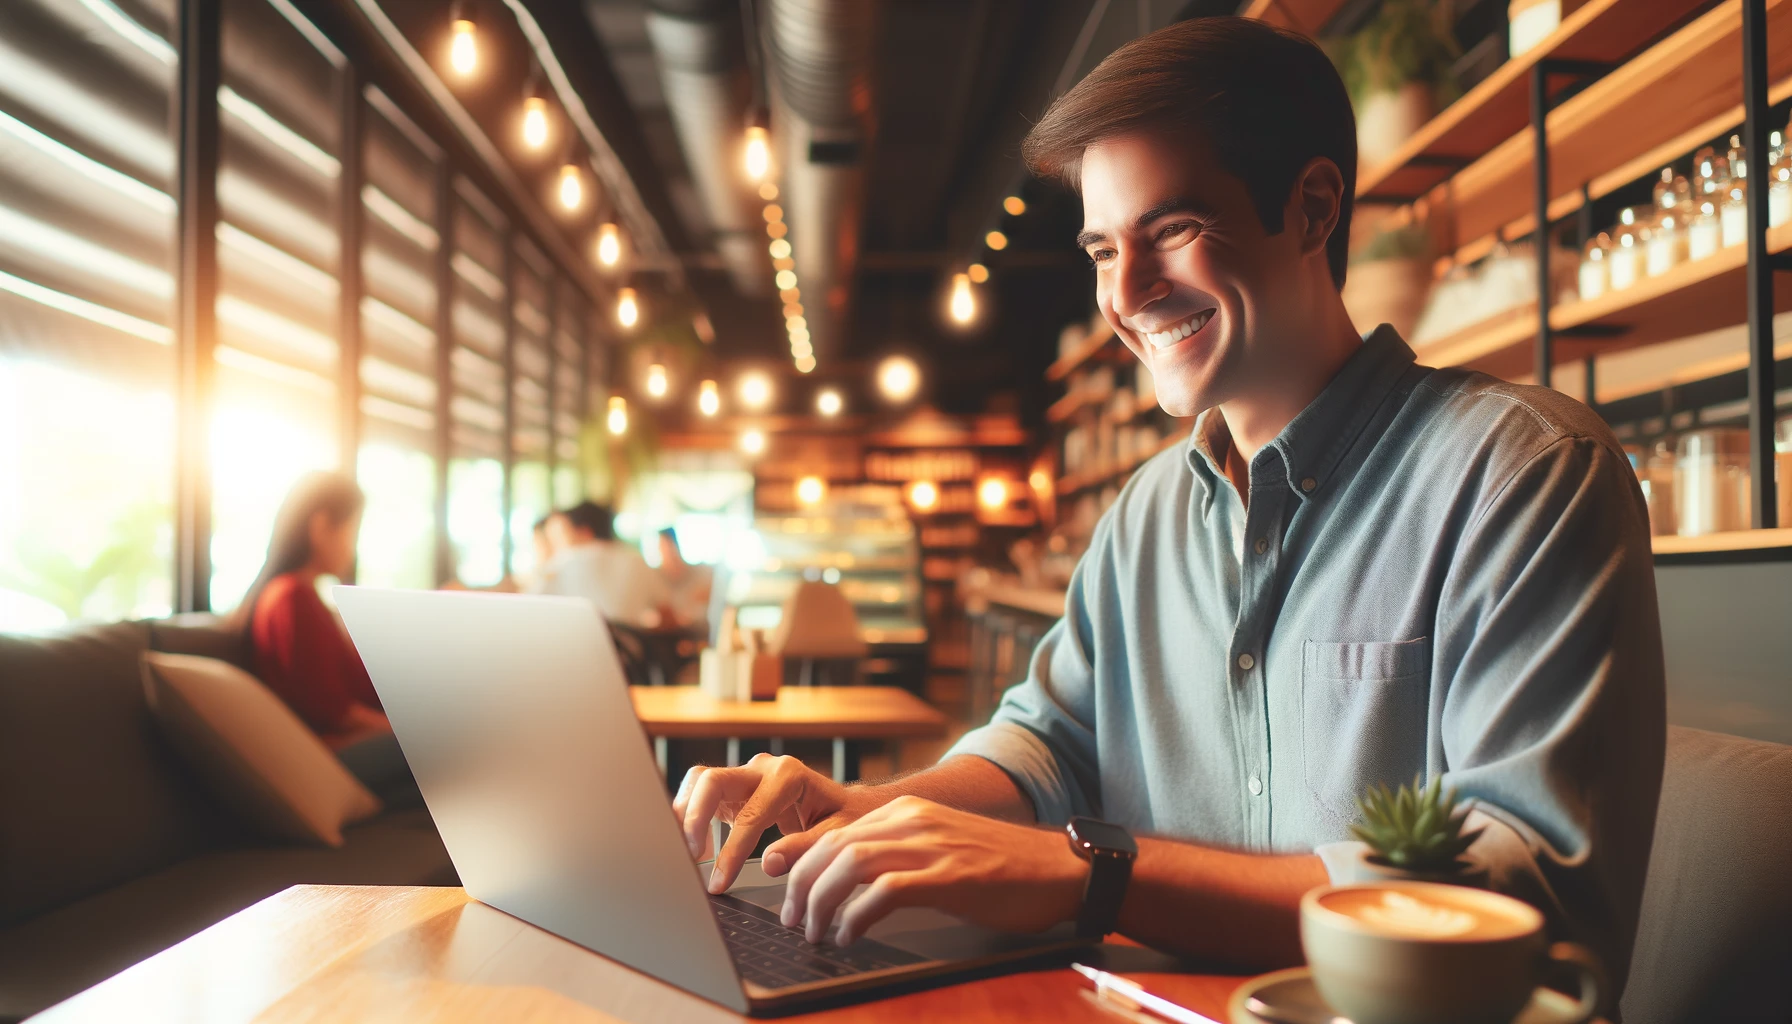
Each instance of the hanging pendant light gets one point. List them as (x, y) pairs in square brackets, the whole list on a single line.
[(609, 245), (463, 45), (964, 304), (709, 400), (617, 419), (535, 122), (628, 309)]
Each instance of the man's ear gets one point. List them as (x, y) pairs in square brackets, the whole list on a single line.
[(1317, 197)]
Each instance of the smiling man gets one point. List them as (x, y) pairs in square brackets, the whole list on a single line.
[(1358, 570)]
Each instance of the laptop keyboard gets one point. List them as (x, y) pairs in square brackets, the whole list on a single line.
[(773, 956)]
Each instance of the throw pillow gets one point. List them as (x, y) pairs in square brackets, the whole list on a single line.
[(251, 751)]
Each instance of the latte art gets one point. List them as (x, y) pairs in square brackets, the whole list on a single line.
[(1435, 913), (1401, 914)]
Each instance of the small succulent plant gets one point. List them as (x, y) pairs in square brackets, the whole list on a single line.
[(1416, 828)]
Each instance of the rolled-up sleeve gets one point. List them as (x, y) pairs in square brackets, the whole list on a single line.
[(1043, 732), (1548, 651)]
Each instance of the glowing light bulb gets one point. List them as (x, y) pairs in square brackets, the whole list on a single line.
[(752, 441), (992, 493), (785, 279), (805, 364), (802, 349), (924, 495), (796, 323), (656, 380), (773, 213), (572, 188), (609, 245), (790, 294), (810, 490), (996, 240), (977, 272), (964, 306), (777, 229), (708, 401), (759, 153), (535, 122), (1015, 206), (799, 334), (463, 51), (780, 249), (792, 309), (768, 191), (829, 403), (755, 390), (628, 310), (617, 419), (898, 378)]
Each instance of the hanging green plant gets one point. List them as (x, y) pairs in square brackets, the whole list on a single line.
[(1407, 41)]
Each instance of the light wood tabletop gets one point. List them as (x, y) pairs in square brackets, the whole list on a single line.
[(370, 953), (799, 712)]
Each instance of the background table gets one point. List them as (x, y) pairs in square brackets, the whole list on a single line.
[(360, 953), (839, 713)]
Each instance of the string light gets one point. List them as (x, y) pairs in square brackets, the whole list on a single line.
[(773, 213), (780, 249), (810, 490), (768, 191), (628, 309), (799, 335), (785, 279), (796, 323), (996, 240), (786, 263), (535, 122), (1015, 206), (617, 419), (463, 49), (572, 188), (755, 390), (790, 294), (752, 441), (759, 152), (898, 378), (992, 493), (977, 272), (792, 309), (656, 380), (964, 306), (923, 495), (609, 245), (829, 403), (805, 364), (708, 401), (777, 229)]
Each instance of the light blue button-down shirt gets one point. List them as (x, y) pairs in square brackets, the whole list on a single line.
[(1439, 572)]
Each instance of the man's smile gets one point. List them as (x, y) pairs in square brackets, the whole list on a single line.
[(1176, 332)]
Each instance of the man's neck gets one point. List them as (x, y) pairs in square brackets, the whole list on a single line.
[(1255, 417)]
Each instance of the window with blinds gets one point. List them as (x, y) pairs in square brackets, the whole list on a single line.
[(531, 438), (476, 435), (87, 169), (399, 243), (569, 410), (274, 413)]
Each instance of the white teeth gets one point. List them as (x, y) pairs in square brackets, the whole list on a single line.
[(1175, 334)]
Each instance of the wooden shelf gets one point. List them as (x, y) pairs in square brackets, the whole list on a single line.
[(1499, 107), (1734, 540), (1037, 600), (1305, 16), (1685, 83), (1070, 483), (1071, 404), (1099, 336), (1691, 298)]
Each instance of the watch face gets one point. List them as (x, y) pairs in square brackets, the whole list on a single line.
[(1101, 836)]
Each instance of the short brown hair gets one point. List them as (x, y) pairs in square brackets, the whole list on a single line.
[(1267, 100)]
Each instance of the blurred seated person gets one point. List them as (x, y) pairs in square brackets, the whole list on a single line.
[(301, 651), (589, 562), (689, 584)]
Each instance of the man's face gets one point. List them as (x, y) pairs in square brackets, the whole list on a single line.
[(1184, 271)]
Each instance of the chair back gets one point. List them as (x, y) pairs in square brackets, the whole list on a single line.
[(1715, 938), (818, 622)]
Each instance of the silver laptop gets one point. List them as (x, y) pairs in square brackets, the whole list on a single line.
[(515, 717)]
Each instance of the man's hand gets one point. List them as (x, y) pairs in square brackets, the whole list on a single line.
[(765, 791), (915, 852)]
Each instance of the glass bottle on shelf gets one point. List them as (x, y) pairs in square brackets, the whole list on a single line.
[(1711, 179), (1667, 235), (1711, 481), (1733, 211), (1593, 266), (1779, 187), (1624, 262), (1658, 488)]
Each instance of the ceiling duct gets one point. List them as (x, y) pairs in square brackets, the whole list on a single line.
[(819, 62), (697, 46)]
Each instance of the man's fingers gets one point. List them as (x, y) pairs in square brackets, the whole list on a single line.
[(821, 854), (855, 863), (774, 795), (685, 786), (781, 855), (710, 790), (891, 891)]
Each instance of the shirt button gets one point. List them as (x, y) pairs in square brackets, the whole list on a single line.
[(1308, 484), (1263, 545), (1256, 785), (1246, 662)]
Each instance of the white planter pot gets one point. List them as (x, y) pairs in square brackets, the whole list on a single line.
[(1387, 119), (1360, 864)]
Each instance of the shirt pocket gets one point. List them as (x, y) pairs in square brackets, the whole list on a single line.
[(1364, 713)]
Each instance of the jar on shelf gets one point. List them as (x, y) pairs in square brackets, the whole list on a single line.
[(1704, 227), (1592, 280), (1779, 188), (1782, 467), (1667, 242), (1711, 484), (1624, 261), (1658, 487), (1733, 211)]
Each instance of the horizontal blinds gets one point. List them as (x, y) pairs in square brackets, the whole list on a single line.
[(532, 306), (398, 304), (477, 402), (569, 376), (87, 162)]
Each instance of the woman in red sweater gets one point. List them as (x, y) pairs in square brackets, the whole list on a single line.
[(301, 650)]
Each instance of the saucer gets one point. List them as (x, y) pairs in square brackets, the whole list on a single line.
[(1294, 989)]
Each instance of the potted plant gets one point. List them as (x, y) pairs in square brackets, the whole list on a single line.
[(1389, 279), (1417, 833), (1398, 71)]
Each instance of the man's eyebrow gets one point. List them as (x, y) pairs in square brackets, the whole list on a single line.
[(1088, 238), (1163, 208)]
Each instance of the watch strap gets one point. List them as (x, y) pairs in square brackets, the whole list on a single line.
[(1109, 874)]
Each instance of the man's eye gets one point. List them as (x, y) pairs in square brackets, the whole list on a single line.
[(1177, 231), (1100, 255)]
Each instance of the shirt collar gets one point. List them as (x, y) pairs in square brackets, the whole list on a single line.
[(1314, 442)]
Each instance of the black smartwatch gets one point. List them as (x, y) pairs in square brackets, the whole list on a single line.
[(1109, 849)]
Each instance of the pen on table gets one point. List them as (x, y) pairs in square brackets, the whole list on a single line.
[(1115, 987)]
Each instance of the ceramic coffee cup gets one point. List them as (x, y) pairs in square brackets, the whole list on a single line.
[(1425, 953)]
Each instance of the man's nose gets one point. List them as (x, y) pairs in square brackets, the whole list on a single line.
[(1137, 283)]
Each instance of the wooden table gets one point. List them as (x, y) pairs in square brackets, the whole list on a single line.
[(366, 953), (839, 713)]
